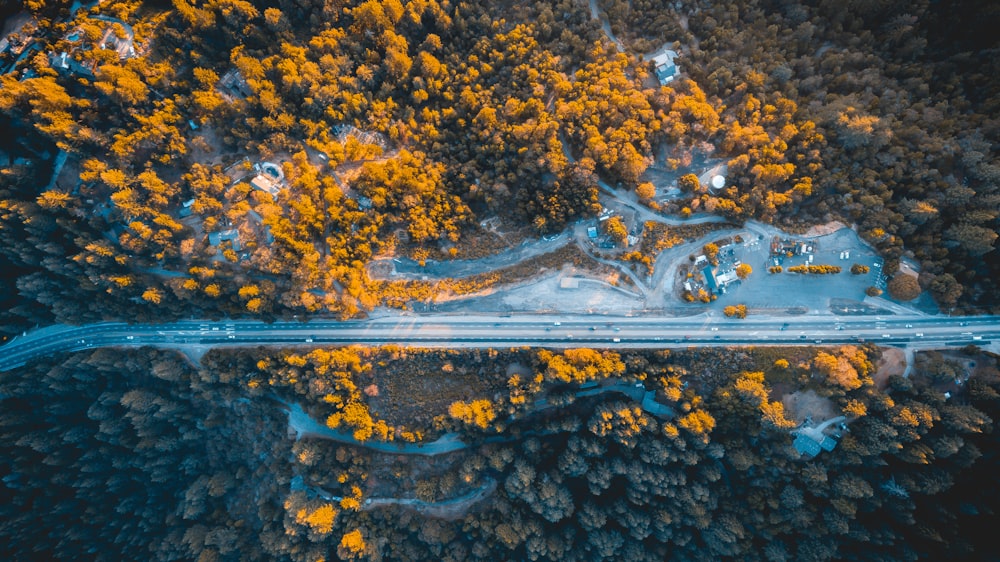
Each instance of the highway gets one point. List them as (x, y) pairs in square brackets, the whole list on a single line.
[(557, 331)]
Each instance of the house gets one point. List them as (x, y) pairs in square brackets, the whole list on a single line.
[(592, 232), (665, 67), (233, 85), (232, 235), (262, 182), (810, 439), (63, 62), (649, 404), (806, 446), (186, 209), (700, 260), (258, 223)]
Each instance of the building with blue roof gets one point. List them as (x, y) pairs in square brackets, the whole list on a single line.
[(710, 281)]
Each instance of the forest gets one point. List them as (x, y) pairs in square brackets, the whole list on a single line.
[(400, 126), (227, 158), (116, 454)]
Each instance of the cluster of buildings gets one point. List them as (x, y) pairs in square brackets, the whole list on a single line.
[(116, 36), (782, 248), (17, 41), (263, 176), (598, 236), (716, 278)]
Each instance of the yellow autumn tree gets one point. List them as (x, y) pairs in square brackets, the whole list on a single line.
[(698, 422), (352, 545), (838, 370), (855, 408), (478, 412), (152, 295), (319, 520)]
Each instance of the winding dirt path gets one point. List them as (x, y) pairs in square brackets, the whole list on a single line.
[(605, 25)]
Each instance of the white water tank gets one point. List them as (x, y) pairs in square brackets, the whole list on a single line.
[(718, 181)]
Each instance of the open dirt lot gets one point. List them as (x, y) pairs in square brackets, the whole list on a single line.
[(589, 295), (892, 362), (800, 405)]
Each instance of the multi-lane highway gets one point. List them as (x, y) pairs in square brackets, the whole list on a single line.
[(491, 331)]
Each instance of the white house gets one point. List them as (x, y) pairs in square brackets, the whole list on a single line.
[(666, 67)]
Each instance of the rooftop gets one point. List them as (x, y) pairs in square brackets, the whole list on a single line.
[(232, 235), (806, 446), (665, 66), (262, 182), (710, 281)]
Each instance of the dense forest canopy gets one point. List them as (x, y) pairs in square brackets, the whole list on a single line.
[(401, 126), (135, 454)]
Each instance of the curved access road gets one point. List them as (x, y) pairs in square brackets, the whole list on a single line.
[(557, 331)]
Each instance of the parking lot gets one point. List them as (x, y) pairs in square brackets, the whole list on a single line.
[(763, 290)]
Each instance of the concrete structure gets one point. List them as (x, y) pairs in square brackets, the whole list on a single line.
[(726, 278), (569, 283), (665, 67)]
